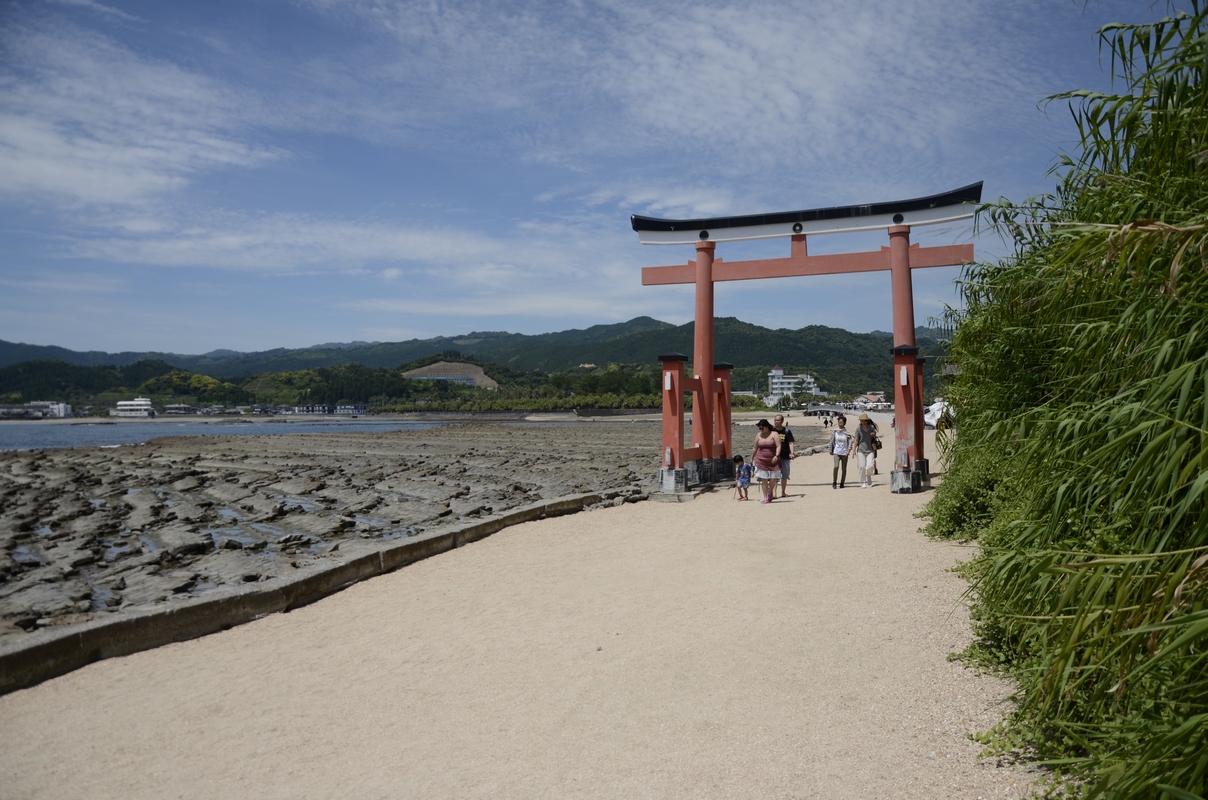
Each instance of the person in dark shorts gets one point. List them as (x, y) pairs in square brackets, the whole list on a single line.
[(788, 451)]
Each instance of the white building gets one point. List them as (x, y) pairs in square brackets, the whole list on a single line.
[(50, 408), (780, 384), (38, 409), (138, 407), (871, 400)]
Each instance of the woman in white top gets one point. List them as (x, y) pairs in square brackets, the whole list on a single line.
[(840, 447)]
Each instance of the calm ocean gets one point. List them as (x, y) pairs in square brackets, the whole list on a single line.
[(39, 435)]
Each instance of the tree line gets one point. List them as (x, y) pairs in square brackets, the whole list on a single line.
[(614, 385), (843, 362)]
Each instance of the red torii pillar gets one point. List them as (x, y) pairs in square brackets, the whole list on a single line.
[(676, 453), (709, 408), (702, 422)]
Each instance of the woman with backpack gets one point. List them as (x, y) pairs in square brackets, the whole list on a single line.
[(867, 445)]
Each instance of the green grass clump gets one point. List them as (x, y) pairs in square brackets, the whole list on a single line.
[(1081, 466)]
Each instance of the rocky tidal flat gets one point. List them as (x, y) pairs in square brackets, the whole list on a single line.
[(92, 532)]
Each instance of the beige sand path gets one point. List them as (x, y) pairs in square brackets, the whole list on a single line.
[(708, 649)]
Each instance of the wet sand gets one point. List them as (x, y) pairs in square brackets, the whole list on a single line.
[(707, 649)]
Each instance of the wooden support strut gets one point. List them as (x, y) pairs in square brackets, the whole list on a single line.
[(676, 452), (803, 264)]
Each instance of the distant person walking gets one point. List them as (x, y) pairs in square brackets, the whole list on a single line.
[(866, 451), (841, 443), (764, 455), (788, 451)]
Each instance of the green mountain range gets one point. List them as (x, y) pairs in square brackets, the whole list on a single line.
[(842, 361), (639, 341)]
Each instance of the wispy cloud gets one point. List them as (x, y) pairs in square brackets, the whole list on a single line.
[(71, 283), (99, 8), (87, 123), (283, 242), (394, 154), (539, 304), (810, 92), (804, 99), (666, 199)]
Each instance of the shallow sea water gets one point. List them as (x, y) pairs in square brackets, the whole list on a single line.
[(36, 436)]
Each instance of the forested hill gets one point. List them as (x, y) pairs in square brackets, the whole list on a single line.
[(559, 349), (832, 351)]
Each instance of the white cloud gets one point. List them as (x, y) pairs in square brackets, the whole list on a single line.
[(200, 147), (548, 269), (284, 242), (666, 200), (531, 304), (88, 123), (761, 85), (809, 104), (63, 282), (92, 5)]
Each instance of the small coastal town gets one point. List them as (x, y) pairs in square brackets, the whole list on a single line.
[(783, 392)]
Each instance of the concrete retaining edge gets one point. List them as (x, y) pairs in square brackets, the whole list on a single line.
[(48, 653)]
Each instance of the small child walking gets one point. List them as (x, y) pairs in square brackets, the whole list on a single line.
[(742, 477)]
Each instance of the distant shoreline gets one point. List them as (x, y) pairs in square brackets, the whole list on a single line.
[(257, 419), (793, 418)]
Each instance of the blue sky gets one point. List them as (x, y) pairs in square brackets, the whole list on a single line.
[(187, 176)]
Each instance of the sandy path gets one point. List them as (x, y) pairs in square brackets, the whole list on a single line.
[(706, 649)]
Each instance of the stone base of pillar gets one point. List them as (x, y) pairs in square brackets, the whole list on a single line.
[(923, 466), (695, 473), (905, 481), (709, 470), (673, 480)]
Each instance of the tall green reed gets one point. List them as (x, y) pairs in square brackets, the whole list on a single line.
[(1081, 463)]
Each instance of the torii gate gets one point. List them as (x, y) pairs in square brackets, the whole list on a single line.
[(710, 450)]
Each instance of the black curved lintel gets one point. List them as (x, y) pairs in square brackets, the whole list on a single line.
[(965, 194)]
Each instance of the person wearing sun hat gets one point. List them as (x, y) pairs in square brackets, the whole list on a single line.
[(866, 451)]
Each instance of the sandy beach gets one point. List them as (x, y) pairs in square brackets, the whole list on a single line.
[(705, 649)]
